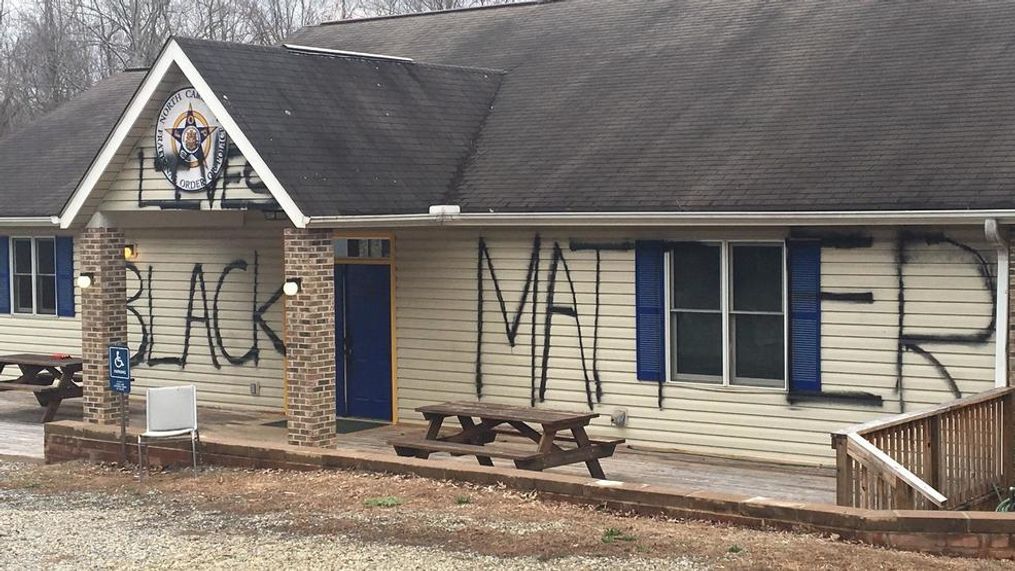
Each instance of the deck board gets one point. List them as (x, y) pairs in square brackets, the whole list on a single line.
[(22, 435)]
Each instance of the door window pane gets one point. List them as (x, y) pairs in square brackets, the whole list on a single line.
[(696, 276), (757, 278), (758, 349), (698, 338), (362, 248)]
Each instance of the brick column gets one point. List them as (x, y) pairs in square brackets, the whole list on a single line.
[(310, 338), (103, 318)]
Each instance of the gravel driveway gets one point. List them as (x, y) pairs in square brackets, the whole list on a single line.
[(90, 530), (86, 516)]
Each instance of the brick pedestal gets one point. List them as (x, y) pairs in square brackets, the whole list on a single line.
[(310, 338), (103, 318)]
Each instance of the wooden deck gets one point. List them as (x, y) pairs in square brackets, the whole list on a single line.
[(21, 434)]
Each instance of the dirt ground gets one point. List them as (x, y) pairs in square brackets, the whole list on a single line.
[(395, 511)]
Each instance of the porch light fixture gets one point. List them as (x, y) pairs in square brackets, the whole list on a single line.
[(85, 280), (292, 286), (130, 252)]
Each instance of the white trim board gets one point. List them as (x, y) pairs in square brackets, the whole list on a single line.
[(669, 219), (171, 54)]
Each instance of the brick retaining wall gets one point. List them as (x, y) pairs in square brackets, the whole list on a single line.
[(967, 534)]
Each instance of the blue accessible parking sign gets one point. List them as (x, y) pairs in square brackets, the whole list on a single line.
[(119, 369)]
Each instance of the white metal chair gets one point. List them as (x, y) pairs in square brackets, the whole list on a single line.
[(170, 413)]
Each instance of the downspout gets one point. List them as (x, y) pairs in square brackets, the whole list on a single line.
[(995, 235)]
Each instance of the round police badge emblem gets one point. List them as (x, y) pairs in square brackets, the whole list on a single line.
[(190, 145)]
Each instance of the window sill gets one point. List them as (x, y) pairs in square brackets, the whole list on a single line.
[(697, 384), (31, 316)]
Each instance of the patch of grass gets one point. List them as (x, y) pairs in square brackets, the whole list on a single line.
[(382, 502), (463, 500), (734, 549), (613, 534)]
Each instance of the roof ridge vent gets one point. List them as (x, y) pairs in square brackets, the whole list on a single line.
[(343, 53)]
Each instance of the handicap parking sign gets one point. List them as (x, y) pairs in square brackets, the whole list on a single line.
[(119, 368)]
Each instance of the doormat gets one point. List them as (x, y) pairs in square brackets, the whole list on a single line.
[(342, 425)]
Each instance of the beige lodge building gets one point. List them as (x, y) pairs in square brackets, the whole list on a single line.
[(730, 228)]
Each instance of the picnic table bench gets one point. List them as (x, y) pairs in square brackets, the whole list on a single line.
[(52, 378), (541, 426)]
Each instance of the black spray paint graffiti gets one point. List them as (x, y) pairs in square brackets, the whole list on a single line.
[(510, 325), (553, 308), (915, 342), (912, 341), (203, 315), (231, 180), (907, 341)]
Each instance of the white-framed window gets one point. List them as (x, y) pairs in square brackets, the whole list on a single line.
[(727, 313), (33, 275)]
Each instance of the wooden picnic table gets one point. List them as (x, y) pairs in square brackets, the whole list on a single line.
[(52, 378), (481, 423)]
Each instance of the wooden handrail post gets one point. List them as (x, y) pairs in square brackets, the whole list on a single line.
[(1008, 440), (843, 472), (903, 495), (934, 451)]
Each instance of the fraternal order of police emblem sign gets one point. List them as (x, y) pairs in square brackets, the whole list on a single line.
[(190, 144)]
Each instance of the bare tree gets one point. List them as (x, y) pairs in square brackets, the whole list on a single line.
[(125, 33), (391, 7), (272, 22), (50, 60), (51, 50)]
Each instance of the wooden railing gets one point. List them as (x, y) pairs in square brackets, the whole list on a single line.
[(949, 457)]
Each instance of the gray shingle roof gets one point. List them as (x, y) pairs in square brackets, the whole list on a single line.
[(350, 135), (603, 105), (688, 105), (42, 162)]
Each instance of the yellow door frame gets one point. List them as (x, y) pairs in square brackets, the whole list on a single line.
[(391, 262)]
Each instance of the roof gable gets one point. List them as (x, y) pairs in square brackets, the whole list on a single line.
[(113, 152), (351, 135), (326, 134)]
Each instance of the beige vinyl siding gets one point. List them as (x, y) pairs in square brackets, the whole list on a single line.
[(118, 189), (43, 334), (144, 127), (173, 256), (943, 295), (436, 318)]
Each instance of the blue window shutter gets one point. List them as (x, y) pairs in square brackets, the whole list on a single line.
[(650, 311), (805, 315), (65, 276), (5, 274)]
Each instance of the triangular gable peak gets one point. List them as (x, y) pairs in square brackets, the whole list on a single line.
[(176, 148)]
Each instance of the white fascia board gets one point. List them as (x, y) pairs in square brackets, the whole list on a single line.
[(173, 53), (278, 192), (28, 221), (898, 217), (117, 137)]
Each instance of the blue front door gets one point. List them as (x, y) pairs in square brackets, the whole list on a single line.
[(363, 341)]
